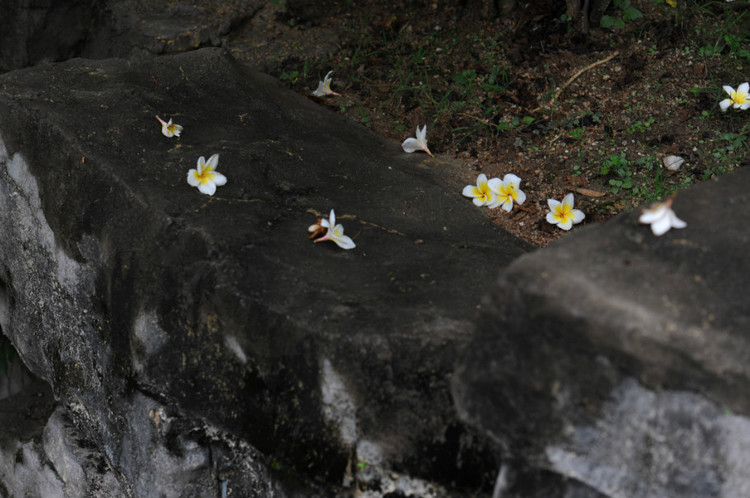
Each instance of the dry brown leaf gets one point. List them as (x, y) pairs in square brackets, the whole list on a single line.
[(585, 191)]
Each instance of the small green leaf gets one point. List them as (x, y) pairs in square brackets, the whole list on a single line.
[(631, 14)]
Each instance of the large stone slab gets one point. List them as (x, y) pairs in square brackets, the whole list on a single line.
[(38, 31), (181, 328), (621, 359)]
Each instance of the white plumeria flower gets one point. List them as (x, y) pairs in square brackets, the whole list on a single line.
[(737, 98), (563, 214), (481, 194), (324, 87), (169, 129), (661, 217), (507, 190), (205, 177), (420, 143), (333, 231)]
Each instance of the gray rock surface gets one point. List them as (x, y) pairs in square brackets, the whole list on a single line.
[(621, 359), (199, 338)]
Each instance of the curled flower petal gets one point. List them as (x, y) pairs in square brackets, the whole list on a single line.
[(169, 129), (419, 143), (324, 87), (333, 232), (661, 217)]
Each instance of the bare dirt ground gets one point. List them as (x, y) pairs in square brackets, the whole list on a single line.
[(528, 94)]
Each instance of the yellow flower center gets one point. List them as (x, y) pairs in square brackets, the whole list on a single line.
[(739, 98), (563, 213)]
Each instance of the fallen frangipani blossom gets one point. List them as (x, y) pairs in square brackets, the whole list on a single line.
[(169, 129), (205, 177), (324, 87), (562, 213), (332, 231), (661, 217), (420, 143), (507, 190), (481, 194), (737, 98)]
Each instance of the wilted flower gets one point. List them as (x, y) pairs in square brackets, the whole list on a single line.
[(333, 231), (507, 190), (661, 217), (205, 177), (737, 98), (324, 87), (169, 129), (482, 194), (420, 143), (562, 213)]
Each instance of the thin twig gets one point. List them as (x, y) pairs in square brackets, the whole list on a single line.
[(575, 76)]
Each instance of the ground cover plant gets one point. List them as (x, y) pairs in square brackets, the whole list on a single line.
[(528, 93)]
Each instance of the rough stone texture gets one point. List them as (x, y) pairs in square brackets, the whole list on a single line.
[(56, 30), (32, 31), (185, 333), (621, 359)]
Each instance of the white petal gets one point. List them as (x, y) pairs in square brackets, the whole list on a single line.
[(553, 205), (213, 161), (661, 226), (218, 178), (410, 145), (192, 178), (567, 224), (728, 89), (344, 241), (208, 188), (332, 219), (508, 204), (578, 216), (520, 197), (495, 184), (422, 134), (321, 90), (551, 218), (654, 213), (743, 88), (675, 221), (725, 104), (569, 201), (494, 201), (512, 179), (471, 191)]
